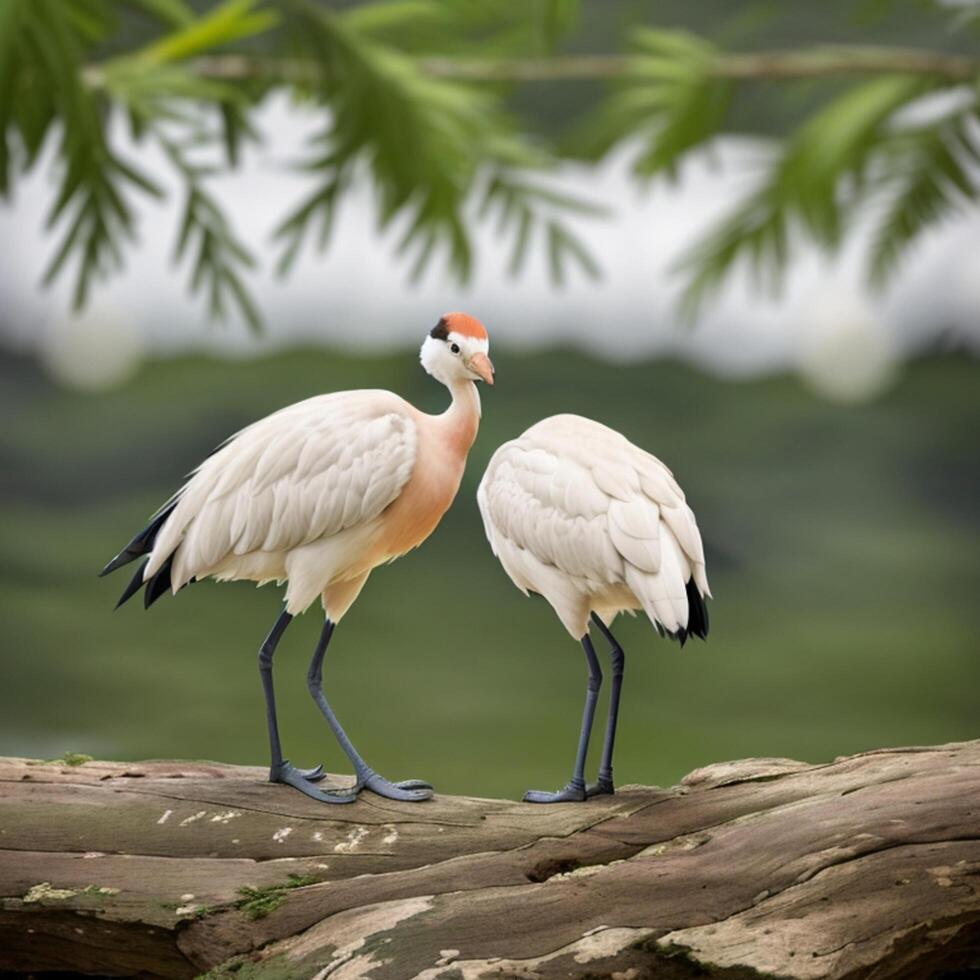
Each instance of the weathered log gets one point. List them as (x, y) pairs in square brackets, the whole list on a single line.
[(866, 867)]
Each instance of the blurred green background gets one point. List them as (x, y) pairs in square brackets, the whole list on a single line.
[(841, 550), (830, 453)]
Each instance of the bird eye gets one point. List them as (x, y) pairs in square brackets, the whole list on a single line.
[(455, 348)]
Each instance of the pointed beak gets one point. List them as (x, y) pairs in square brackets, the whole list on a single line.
[(480, 364)]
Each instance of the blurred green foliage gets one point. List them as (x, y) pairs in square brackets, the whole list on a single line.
[(842, 549), (428, 99)]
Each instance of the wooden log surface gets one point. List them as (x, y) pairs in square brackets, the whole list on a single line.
[(868, 866)]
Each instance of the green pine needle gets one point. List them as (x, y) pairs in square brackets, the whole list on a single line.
[(443, 156)]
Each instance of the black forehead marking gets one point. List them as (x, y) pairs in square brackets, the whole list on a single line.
[(441, 330)]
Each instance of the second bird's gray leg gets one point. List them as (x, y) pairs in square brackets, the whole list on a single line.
[(574, 791), (409, 789), (604, 784), (280, 769)]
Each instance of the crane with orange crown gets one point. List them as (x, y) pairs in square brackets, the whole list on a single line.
[(316, 495)]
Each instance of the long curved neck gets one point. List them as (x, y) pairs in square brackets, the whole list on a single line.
[(462, 419)]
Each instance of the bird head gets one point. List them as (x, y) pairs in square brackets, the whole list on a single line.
[(456, 349)]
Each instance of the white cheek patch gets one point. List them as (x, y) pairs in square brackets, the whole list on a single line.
[(470, 345)]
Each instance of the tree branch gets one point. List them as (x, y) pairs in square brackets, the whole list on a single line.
[(762, 867), (838, 60), (821, 62)]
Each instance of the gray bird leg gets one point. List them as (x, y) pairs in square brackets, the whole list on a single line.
[(604, 784), (574, 791), (409, 789), (280, 770)]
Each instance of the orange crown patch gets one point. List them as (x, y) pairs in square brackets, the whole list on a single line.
[(466, 325)]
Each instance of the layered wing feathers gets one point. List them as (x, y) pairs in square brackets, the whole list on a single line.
[(575, 512), (305, 473)]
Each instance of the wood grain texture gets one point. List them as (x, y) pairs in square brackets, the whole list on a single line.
[(867, 867)]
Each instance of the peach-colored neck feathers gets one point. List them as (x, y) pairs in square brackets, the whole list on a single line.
[(462, 418)]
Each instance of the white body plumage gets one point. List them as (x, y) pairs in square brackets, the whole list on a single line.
[(323, 491), (297, 496), (578, 514)]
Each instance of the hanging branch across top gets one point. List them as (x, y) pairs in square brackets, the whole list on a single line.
[(437, 138)]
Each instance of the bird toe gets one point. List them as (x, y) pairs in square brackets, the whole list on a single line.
[(570, 794), (313, 775), (413, 784), (408, 791), (328, 795)]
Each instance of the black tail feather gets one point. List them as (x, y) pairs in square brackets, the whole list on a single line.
[(159, 584), (135, 584), (697, 618), (142, 543)]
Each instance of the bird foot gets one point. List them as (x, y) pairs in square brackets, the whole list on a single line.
[(601, 787), (304, 779), (409, 790), (574, 792)]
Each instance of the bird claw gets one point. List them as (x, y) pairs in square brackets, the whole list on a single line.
[(297, 778), (408, 790), (574, 792), (312, 775)]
